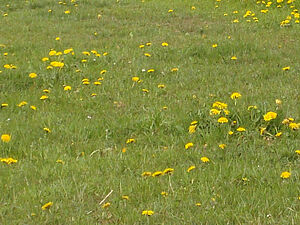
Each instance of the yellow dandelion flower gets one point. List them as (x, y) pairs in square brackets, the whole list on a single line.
[(174, 69), (148, 212), (163, 193), (44, 97), (222, 146), (219, 105), (241, 129), (145, 90), (214, 45), (67, 88), (23, 103), (150, 71), (157, 174), (270, 116), (297, 152), (191, 168), (164, 44), (106, 205), (47, 130), (233, 58), (204, 159), (147, 54), (130, 140), (286, 68), (97, 83), (188, 145), (60, 161), (67, 12), (161, 86), (230, 132), (45, 59), (168, 171), (5, 138), (32, 75), (33, 107), (294, 126), (103, 72), (57, 64), (146, 174), (192, 129), (135, 79), (285, 175), (125, 197), (279, 134), (47, 205), (214, 112), (222, 120), (235, 95), (8, 161), (3, 105), (198, 204)]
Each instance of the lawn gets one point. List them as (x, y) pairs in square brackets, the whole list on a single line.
[(149, 112)]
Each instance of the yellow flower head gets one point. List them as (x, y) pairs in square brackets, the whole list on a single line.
[(222, 120), (294, 126), (148, 212), (270, 116), (222, 146), (44, 97), (32, 75), (192, 129), (215, 112), (164, 44), (47, 130), (285, 175), (5, 138), (188, 145), (135, 79), (168, 171), (205, 159), (3, 105), (235, 95), (106, 205), (22, 104), (125, 197), (67, 88), (286, 68), (163, 193), (146, 174), (157, 174), (191, 168), (241, 129), (47, 205), (130, 140), (219, 105), (8, 160)]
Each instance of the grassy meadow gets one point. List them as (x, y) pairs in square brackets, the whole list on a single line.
[(149, 112)]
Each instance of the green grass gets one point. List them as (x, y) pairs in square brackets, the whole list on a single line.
[(99, 126)]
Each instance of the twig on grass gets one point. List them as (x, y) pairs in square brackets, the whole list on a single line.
[(103, 200)]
